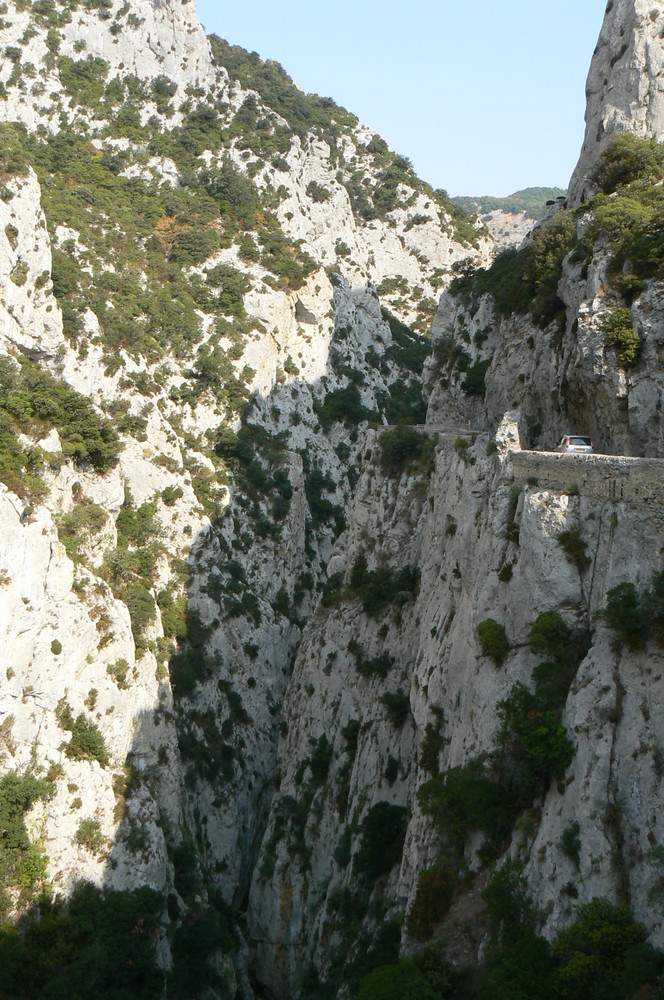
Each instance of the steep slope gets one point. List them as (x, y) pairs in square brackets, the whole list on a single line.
[(192, 347), (470, 767), (322, 696), (622, 90), (568, 328), (455, 579)]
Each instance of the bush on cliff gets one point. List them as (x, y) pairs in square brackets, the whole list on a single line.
[(636, 617), (382, 834), (627, 158), (98, 944), (405, 448), (493, 640)]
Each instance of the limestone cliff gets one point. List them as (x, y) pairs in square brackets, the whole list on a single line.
[(253, 633), (623, 90), (192, 346), (402, 690)]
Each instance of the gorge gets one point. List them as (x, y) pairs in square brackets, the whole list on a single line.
[(323, 676)]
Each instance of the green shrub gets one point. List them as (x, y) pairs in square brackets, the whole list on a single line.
[(391, 770), (382, 587), (77, 527), (603, 954), (522, 967), (405, 447), (163, 89), (464, 799), (315, 483), (56, 647), (625, 159), (86, 742), (619, 332), (564, 649), (142, 611), (504, 896), (320, 760), (19, 273), (317, 192), (89, 835), (575, 548), (396, 982), (97, 944), (378, 666), (170, 494), (436, 887), (233, 285), (22, 865), (32, 402), (408, 350), (343, 406), (475, 381), (570, 842), (397, 704), (197, 943), (532, 747), (627, 615), (190, 664), (118, 671), (493, 640), (432, 744), (342, 851), (14, 155), (382, 834), (84, 79), (332, 590)]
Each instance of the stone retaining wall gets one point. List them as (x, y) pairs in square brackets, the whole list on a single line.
[(636, 481)]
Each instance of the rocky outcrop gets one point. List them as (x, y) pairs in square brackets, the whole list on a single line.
[(564, 376), (623, 89), (212, 562), (146, 39), (462, 527)]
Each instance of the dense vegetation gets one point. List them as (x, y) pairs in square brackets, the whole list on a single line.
[(636, 618), (526, 280), (33, 402), (603, 955), (305, 113), (371, 197), (22, 862), (624, 219), (104, 944)]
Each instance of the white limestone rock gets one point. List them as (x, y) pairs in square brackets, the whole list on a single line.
[(624, 88)]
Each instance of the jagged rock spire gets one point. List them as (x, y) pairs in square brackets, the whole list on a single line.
[(625, 86)]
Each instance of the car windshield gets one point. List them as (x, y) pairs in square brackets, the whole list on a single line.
[(580, 440)]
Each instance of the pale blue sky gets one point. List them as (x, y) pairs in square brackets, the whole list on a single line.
[(483, 97)]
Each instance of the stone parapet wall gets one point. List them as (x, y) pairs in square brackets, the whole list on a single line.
[(601, 478)]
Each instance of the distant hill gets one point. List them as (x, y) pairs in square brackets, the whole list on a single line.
[(531, 201)]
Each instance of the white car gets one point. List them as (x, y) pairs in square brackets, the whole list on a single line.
[(575, 442)]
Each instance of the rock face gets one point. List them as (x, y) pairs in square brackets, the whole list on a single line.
[(507, 229), (240, 612), (462, 526), (623, 90), (189, 269)]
